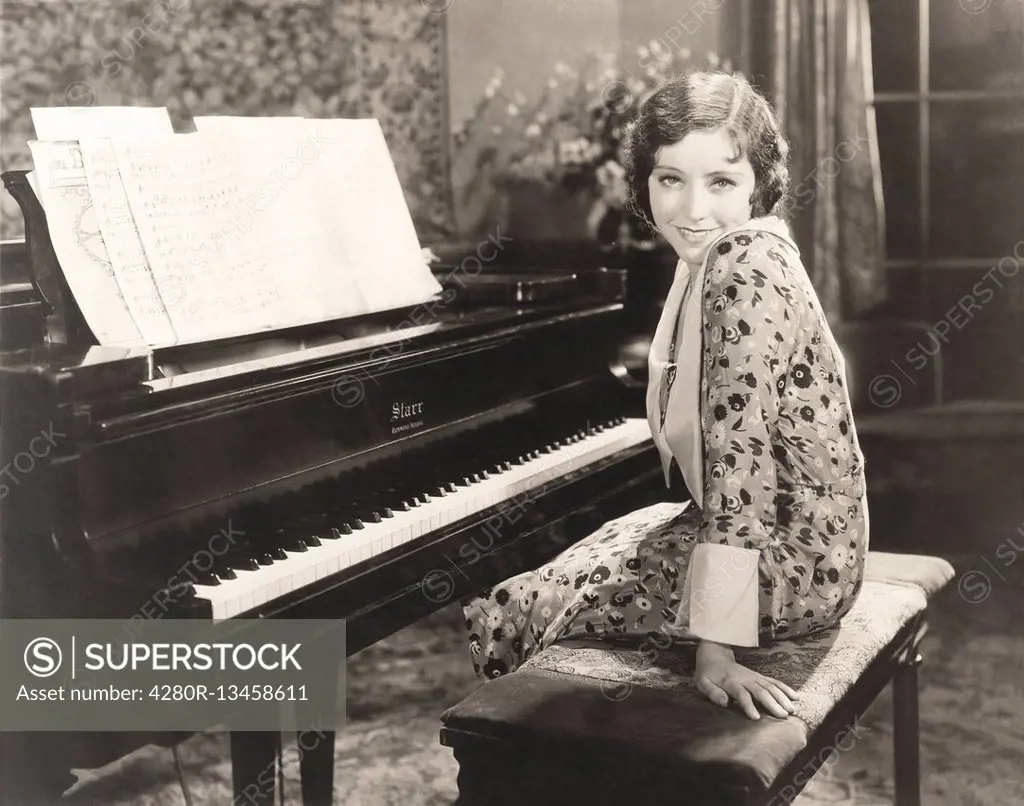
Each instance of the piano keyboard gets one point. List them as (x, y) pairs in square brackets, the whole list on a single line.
[(332, 536)]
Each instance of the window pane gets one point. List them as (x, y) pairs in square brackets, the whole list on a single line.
[(979, 50), (977, 161), (894, 40), (898, 146)]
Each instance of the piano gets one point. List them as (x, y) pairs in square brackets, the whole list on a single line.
[(371, 469)]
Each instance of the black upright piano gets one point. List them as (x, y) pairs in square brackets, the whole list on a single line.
[(367, 469)]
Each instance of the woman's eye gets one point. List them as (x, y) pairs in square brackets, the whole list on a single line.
[(722, 182), (669, 180)]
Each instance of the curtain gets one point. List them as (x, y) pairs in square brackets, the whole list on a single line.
[(820, 76)]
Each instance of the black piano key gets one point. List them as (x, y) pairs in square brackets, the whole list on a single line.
[(269, 543), (321, 532), (291, 539), (347, 516), (239, 561), (320, 526)]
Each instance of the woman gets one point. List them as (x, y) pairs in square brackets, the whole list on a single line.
[(747, 397)]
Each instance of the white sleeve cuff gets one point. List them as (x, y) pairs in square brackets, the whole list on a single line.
[(721, 589)]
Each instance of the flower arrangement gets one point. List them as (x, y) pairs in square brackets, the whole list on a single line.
[(570, 137)]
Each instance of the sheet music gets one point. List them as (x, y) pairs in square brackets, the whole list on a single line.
[(346, 182), (249, 224), (124, 247), (182, 190), (283, 155), (77, 122), (369, 211), (78, 243)]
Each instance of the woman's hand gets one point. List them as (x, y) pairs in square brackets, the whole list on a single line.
[(718, 677)]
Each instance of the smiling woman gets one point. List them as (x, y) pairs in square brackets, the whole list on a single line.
[(700, 187), (747, 402), (706, 155)]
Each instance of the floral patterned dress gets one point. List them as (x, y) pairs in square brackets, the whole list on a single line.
[(781, 506)]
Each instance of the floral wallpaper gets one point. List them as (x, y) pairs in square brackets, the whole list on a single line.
[(316, 58)]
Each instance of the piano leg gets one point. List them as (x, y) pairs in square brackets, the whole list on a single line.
[(316, 747), (316, 767), (254, 767)]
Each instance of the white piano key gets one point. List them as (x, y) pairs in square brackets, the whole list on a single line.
[(255, 588)]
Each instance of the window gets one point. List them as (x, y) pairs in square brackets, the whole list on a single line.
[(949, 106), (949, 109), (949, 113)]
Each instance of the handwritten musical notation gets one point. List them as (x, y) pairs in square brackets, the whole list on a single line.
[(246, 225), (124, 247), (79, 246), (182, 190)]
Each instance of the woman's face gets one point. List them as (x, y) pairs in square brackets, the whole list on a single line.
[(697, 192)]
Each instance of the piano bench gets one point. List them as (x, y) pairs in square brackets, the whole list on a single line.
[(590, 722)]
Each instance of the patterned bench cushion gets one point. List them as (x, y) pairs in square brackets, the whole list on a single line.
[(617, 698)]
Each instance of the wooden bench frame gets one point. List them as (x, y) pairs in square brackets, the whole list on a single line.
[(488, 768)]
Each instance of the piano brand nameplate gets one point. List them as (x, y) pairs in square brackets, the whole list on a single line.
[(170, 674), (406, 416)]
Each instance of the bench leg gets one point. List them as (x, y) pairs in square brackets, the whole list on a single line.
[(476, 778), (906, 731)]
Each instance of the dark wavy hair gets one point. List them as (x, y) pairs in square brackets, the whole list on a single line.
[(701, 101)]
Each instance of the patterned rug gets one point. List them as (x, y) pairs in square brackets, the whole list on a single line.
[(972, 722)]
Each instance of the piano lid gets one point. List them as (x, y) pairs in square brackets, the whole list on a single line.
[(91, 370), (363, 349)]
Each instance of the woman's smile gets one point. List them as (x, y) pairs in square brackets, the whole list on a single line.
[(696, 235)]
